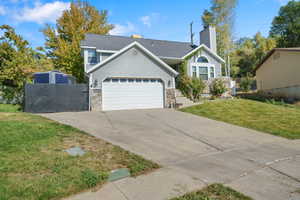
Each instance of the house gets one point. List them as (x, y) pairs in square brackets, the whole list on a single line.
[(136, 73), (279, 73)]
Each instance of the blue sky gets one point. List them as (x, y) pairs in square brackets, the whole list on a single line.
[(168, 19)]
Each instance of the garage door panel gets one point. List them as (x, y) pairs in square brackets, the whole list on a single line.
[(132, 94)]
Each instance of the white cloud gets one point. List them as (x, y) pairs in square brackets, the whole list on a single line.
[(148, 20), (42, 13), (123, 29), (2, 10), (282, 2)]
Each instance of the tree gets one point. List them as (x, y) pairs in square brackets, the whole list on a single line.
[(18, 62), (248, 53), (286, 26), (63, 40), (221, 15)]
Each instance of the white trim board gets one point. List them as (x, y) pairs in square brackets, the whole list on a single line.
[(208, 50)]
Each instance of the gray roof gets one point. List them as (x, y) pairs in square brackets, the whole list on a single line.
[(160, 48)]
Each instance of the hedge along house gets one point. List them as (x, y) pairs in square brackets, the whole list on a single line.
[(138, 73)]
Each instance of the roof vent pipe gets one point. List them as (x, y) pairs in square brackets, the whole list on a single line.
[(192, 34)]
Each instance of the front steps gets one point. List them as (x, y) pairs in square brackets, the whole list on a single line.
[(182, 101)]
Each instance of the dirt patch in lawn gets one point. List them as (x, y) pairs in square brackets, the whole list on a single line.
[(34, 164)]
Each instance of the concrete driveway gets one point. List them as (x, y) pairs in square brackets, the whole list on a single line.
[(257, 164)]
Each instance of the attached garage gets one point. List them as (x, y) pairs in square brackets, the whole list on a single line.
[(133, 78), (132, 93)]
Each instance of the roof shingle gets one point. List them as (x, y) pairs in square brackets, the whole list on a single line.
[(160, 48)]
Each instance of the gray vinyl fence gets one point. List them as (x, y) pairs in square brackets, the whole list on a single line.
[(45, 98)]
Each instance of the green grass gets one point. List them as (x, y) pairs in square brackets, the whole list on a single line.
[(265, 117), (214, 192), (33, 164), (9, 108)]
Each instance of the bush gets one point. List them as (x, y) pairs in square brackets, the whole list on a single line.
[(197, 86), (276, 99), (246, 83), (192, 88), (218, 87), (91, 178), (11, 95)]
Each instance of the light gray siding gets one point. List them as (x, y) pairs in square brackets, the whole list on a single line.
[(133, 64), (211, 59)]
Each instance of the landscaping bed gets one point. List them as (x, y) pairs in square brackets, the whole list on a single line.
[(214, 192), (34, 164), (274, 119)]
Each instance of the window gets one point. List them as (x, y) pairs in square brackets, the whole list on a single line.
[(203, 73), (202, 59), (92, 56), (194, 71), (212, 72)]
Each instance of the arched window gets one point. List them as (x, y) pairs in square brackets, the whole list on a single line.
[(202, 59)]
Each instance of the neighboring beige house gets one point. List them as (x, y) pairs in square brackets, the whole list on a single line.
[(279, 72)]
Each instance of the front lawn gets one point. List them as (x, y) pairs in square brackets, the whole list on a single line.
[(214, 192), (277, 120), (9, 108), (34, 165)]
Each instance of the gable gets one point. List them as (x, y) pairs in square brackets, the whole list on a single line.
[(203, 52), (142, 50), (133, 63), (209, 52)]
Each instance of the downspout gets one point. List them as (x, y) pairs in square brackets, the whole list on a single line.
[(89, 85)]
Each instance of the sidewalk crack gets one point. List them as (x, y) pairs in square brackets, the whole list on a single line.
[(119, 189), (186, 134)]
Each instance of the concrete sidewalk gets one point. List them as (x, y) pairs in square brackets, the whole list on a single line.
[(194, 152), (161, 184)]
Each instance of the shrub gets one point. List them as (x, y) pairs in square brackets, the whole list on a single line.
[(183, 85), (11, 95), (246, 83), (197, 87), (191, 87), (91, 178), (276, 99), (218, 87)]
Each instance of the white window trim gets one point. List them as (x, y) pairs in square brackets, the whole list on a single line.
[(202, 56), (95, 56), (197, 65)]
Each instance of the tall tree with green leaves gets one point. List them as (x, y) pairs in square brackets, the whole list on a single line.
[(18, 61), (249, 52), (222, 16), (286, 26), (63, 40)]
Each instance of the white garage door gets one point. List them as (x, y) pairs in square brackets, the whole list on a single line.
[(125, 94)]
